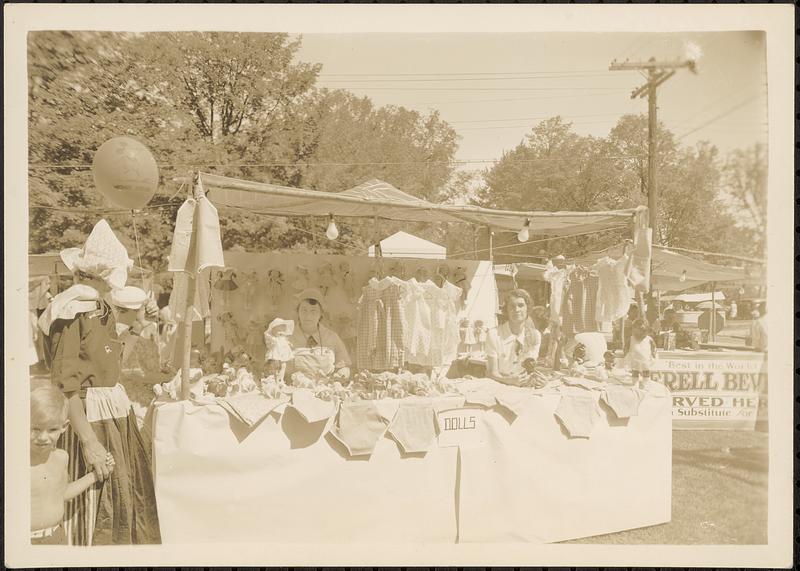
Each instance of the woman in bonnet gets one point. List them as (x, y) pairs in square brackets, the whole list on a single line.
[(84, 353)]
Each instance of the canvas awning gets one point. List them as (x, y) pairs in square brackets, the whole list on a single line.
[(668, 268), (376, 198)]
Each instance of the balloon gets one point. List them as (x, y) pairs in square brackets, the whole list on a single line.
[(125, 172)]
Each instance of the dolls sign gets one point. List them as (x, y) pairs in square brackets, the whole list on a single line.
[(709, 392), (462, 427)]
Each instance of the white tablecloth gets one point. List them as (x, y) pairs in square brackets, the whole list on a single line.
[(282, 482)]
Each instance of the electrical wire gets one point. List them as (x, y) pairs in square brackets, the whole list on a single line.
[(513, 78), (494, 249), (136, 241), (540, 117), (452, 73), (311, 165), (718, 117), (553, 88)]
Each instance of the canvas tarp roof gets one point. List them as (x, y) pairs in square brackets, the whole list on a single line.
[(667, 269), (376, 198)]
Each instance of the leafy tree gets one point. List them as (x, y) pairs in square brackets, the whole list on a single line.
[(744, 184), (216, 102)]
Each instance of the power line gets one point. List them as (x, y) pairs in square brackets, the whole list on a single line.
[(720, 116), (527, 125), (434, 79), (539, 117), (331, 164), (566, 96), (709, 105), (444, 74), (553, 88)]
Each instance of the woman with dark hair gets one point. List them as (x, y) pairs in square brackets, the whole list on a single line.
[(514, 343), (319, 351)]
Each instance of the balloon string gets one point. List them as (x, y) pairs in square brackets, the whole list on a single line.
[(136, 240)]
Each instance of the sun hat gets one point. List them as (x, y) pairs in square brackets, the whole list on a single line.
[(277, 322), (128, 297), (310, 293), (103, 256)]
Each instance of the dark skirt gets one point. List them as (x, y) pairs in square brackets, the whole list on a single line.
[(122, 510)]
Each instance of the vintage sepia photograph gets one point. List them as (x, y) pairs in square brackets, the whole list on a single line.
[(476, 291)]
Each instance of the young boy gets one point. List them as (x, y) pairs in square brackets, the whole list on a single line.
[(50, 485)]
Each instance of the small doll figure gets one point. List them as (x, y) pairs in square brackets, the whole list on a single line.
[(578, 360), (279, 349), (243, 381), (422, 274), (460, 279), (173, 387), (480, 335), (641, 352), (302, 279), (326, 278), (608, 360), (230, 329), (348, 282), (275, 278), (442, 275), (249, 283), (255, 339), (227, 280), (467, 333)]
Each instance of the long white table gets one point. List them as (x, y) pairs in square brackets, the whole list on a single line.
[(287, 480)]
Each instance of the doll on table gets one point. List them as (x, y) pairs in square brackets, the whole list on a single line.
[(641, 352), (279, 349)]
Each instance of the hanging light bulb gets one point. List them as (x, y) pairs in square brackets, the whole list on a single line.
[(683, 276), (525, 233), (332, 232)]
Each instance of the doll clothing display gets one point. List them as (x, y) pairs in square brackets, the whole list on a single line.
[(414, 427), (359, 426), (558, 281), (580, 303), (227, 281), (624, 401), (613, 294), (578, 414), (381, 325)]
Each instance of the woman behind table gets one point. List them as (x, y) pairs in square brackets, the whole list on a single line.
[(513, 342), (84, 353), (319, 351)]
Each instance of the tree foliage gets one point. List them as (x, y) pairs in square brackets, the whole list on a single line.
[(239, 105), (557, 169), (242, 105)]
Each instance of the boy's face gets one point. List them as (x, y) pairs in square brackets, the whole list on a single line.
[(45, 431)]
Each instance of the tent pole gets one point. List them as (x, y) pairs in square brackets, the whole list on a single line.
[(191, 290), (712, 335), (491, 240)]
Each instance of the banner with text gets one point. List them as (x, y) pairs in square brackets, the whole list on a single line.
[(714, 392)]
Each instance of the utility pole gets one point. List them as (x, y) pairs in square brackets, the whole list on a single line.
[(657, 73)]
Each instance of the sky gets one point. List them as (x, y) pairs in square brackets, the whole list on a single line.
[(493, 88)]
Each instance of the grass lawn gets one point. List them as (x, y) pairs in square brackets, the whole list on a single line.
[(719, 492)]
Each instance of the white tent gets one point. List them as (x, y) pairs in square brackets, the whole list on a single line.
[(405, 245)]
